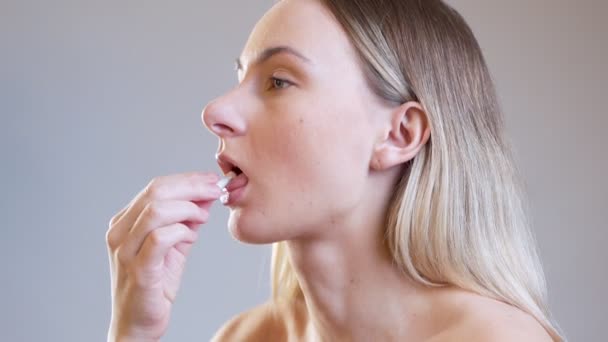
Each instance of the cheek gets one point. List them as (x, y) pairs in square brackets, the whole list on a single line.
[(297, 155), (320, 163), (286, 161), (307, 170), (283, 189)]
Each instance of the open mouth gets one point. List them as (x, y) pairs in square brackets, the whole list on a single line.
[(238, 181), (235, 181), (228, 165)]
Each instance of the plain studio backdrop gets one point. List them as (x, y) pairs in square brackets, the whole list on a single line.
[(99, 97)]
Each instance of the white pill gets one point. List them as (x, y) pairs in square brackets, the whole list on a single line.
[(224, 181), (224, 198)]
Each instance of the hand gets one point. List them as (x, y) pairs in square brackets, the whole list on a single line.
[(148, 243)]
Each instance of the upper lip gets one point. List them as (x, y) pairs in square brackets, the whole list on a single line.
[(226, 163)]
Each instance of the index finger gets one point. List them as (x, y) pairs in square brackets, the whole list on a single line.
[(192, 186)]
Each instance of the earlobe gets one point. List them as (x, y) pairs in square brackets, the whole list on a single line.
[(375, 164), (403, 137), (379, 151), (386, 156)]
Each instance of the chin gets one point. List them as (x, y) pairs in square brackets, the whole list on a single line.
[(249, 229)]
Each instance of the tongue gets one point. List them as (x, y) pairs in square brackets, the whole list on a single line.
[(237, 182)]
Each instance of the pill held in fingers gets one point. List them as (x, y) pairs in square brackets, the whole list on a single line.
[(224, 198), (225, 180)]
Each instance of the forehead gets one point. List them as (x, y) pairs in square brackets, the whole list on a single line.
[(304, 25)]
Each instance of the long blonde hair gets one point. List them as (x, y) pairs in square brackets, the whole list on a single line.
[(459, 214)]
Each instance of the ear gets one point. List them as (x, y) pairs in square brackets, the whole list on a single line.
[(404, 135)]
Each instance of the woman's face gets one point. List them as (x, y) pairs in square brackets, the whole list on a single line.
[(300, 125)]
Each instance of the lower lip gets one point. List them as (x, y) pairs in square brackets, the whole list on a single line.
[(236, 196)]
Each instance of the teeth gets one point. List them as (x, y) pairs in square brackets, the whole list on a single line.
[(224, 181)]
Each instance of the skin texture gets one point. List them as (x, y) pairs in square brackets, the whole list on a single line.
[(148, 243), (322, 155)]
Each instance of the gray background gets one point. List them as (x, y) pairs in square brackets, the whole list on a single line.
[(98, 97)]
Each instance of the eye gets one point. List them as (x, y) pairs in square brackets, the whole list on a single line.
[(278, 83)]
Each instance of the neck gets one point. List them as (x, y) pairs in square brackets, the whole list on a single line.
[(352, 289)]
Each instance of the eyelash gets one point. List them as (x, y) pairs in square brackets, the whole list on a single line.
[(273, 81)]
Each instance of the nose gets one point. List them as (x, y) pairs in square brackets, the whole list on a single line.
[(223, 117)]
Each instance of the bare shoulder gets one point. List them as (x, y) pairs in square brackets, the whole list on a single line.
[(483, 319), (268, 321)]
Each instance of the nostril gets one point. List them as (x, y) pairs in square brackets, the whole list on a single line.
[(222, 129)]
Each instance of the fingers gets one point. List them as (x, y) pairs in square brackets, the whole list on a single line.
[(117, 217), (193, 186), (159, 214), (112, 238), (158, 243)]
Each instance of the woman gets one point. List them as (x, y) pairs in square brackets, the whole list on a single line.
[(370, 149)]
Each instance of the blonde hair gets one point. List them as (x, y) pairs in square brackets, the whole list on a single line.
[(458, 215)]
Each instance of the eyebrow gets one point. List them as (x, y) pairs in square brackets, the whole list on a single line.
[(269, 52)]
